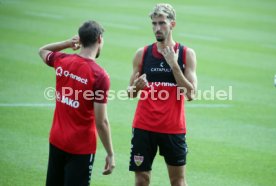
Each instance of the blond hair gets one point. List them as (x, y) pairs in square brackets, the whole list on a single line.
[(163, 9)]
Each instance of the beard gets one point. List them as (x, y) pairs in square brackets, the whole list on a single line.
[(98, 53), (160, 39), (159, 36)]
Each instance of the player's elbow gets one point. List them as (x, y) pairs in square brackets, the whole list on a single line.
[(101, 123), (40, 51)]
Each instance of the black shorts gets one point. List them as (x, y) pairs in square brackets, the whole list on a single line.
[(144, 145), (68, 169)]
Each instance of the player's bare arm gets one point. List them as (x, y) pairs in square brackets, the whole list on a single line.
[(58, 46), (187, 80), (104, 133), (190, 73), (137, 81)]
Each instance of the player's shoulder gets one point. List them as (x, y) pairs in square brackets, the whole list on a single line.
[(191, 51), (59, 54), (139, 52), (96, 67), (190, 56), (90, 66), (56, 55), (138, 55), (98, 73), (188, 50)]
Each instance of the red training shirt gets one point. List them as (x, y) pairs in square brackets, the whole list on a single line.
[(79, 83), (161, 104)]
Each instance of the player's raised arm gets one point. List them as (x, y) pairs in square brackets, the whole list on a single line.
[(58, 46)]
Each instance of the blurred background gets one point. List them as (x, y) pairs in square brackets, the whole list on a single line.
[(231, 142)]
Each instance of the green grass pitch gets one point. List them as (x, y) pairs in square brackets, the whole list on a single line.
[(231, 142)]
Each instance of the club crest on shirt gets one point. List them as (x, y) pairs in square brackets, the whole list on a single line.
[(138, 160)]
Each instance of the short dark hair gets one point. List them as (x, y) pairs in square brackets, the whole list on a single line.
[(89, 32)]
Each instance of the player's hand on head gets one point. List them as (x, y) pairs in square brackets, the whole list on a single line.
[(75, 42), (140, 81), (109, 165)]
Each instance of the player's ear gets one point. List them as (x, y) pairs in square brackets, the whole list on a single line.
[(173, 24), (100, 39)]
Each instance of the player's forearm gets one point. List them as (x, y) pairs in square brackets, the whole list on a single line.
[(132, 91), (183, 82), (104, 133), (58, 46)]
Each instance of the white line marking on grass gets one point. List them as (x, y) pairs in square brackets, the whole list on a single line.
[(53, 105), (202, 37), (43, 14), (27, 105), (208, 105)]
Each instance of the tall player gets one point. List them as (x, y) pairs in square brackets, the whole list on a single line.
[(81, 101), (163, 71)]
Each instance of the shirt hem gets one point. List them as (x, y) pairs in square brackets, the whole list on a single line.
[(70, 151), (160, 131)]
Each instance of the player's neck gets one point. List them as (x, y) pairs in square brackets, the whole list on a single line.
[(162, 45), (88, 52), (167, 42)]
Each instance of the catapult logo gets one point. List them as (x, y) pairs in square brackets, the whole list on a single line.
[(161, 69), (60, 72)]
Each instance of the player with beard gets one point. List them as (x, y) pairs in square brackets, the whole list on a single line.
[(80, 112), (162, 68)]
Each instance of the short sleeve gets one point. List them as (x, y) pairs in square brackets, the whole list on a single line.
[(51, 58), (101, 88)]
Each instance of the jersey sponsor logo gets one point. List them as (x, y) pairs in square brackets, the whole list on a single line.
[(164, 84), (162, 69), (67, 101), (138, 160), (70, 102), (60, 72)]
